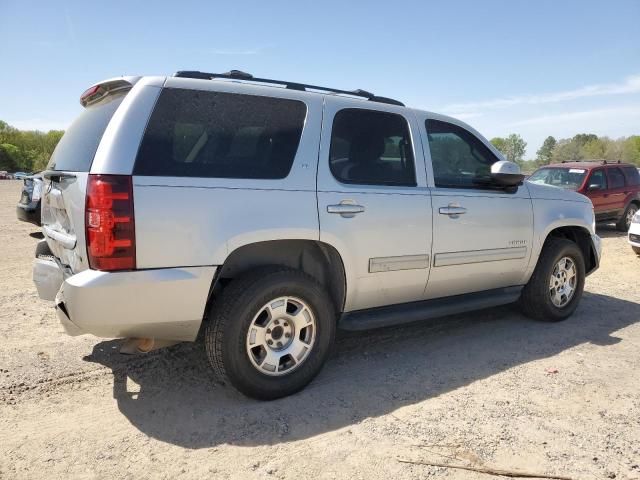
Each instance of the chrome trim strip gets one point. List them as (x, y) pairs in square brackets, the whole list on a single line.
[(404, 262), (478, 256)]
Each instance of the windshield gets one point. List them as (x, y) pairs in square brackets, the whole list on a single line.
[(569, 178)]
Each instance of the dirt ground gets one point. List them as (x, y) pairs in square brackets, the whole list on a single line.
[(490, 388)]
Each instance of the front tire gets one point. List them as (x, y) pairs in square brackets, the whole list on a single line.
[(270, 332), (556, 286)]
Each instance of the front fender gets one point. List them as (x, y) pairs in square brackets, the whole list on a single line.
[(550, 215)]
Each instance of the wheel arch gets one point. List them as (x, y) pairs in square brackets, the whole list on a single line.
[(320, 260), (581, 237)]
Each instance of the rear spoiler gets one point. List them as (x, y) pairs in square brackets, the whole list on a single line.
[(98, 91)]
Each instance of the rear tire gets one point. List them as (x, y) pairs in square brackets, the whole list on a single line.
[(550, 295), (624, 222), (302, 321)]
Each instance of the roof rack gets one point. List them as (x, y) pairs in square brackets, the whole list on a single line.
[(238, 75), (601, 162)]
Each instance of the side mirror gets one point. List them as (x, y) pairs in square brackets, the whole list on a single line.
[(506, 174), (594, 186)]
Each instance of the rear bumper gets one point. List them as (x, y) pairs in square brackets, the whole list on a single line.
[(165, 303), (29, 213)]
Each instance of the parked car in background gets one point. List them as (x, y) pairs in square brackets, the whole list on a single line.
[(4, 175), (634, 233), (262, 218), (613, 188), (21, 175), (29, 206)]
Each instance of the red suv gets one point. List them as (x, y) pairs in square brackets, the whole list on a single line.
[(613, 188)]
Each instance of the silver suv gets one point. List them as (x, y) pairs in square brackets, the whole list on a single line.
[(261, 215)]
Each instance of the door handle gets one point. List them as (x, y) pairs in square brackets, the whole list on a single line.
[(346, 209), (453, 210)]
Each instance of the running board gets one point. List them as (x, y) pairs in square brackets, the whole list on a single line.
[(426, 310)]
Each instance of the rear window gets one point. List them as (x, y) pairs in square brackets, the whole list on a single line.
[(195, 133), (77, 147)]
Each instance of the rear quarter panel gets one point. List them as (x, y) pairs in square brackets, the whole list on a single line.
[(185, 221)]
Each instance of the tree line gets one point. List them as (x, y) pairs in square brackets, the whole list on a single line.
[(26, 150), (583, 146)]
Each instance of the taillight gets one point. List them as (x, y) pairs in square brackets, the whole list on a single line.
[(110, 227)]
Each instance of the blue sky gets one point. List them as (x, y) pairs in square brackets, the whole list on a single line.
[(536, 68)]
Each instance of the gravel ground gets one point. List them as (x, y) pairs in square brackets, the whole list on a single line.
[(491, 388)]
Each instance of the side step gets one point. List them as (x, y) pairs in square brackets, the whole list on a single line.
[(426, 310)]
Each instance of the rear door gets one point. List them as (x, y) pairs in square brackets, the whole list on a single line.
[(373, 202), (65, 182), (617, 190)]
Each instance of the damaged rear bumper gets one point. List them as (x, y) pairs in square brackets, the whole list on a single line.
[(166, 303)]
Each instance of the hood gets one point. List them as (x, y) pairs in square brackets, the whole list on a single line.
[(547, 192)]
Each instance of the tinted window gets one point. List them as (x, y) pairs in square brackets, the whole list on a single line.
[(616, 178), (633, 177), (598, 178), (372, 148), (459, 158), (195, 133), (77, 147)]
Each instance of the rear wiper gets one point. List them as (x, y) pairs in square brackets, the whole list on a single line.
[(56, 176)]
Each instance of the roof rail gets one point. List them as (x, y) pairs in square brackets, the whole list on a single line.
[(601, 162), (238, 75)]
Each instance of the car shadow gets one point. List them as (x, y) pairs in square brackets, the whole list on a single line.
[(38, 235), (171, 394), (605, 230)]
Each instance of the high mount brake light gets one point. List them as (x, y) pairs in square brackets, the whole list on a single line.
[(90, 93), (109, 223)]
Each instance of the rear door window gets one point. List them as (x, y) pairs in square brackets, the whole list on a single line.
[(369, 147), (193, 133), (77, 147), (633, 177), (616, 178)]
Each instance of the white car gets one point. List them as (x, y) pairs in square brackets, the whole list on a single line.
[(261, 215), (634, 233)]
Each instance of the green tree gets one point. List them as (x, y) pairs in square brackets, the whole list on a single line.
[(566, 150), (500, 143), (26, 150), (515, 148), (581, 139), (545, 152), (631, 149), (594, 149), (10, 157)]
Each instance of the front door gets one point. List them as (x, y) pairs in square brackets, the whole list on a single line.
[(373, 202), (481, 237), (598, 192)]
